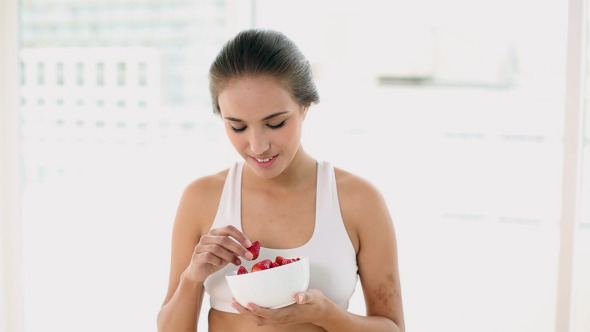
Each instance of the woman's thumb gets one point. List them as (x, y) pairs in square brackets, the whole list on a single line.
[(303, 298)]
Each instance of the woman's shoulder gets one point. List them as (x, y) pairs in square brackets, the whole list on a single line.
[(361, 204), (360, 200), (200, 199), (354, 187), (207, 184)]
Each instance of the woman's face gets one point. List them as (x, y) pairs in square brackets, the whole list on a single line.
[(263, 122)]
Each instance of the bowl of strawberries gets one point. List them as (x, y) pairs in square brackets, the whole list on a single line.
[(269, 283)]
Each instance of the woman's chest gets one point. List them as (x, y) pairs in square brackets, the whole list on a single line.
[(279, 221)]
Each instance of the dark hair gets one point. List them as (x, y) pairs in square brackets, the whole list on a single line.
[(263, 52)]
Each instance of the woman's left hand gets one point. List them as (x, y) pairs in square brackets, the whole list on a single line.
[(310, 307)]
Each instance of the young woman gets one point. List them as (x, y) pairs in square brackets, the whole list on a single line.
[(262, 87)]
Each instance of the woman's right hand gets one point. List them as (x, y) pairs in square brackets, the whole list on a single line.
[(216, 249)]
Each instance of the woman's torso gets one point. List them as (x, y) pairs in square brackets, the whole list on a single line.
[(220, 321), (315, 229)]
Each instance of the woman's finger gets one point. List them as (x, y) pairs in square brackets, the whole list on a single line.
[(225, 240), (304, 298), (234, 233), (209, 258), (247, 312), (219, 252)]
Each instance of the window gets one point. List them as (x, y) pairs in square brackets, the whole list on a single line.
[(100, 73), (80, 73), (59, 72), (109, 89)]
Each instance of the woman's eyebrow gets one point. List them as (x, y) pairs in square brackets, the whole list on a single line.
[(232, 119), (264, 119), (274, 115)]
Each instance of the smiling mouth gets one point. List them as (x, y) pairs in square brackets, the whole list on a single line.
[(264, 160)]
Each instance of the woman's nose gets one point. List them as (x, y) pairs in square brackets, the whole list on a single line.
[(259, 143)]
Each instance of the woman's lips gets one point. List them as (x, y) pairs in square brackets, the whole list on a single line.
[(264, 162)]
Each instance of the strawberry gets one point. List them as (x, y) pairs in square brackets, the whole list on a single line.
[(274, 264), (262, 265), (242, 270), (255, 249), (282, 261)]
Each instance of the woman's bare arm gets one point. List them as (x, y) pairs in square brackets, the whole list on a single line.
[(365, 211), (182, 305)]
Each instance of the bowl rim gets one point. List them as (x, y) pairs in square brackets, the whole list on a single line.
[(234, 273)]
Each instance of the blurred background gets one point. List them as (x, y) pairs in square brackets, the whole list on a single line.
[(454, 109)]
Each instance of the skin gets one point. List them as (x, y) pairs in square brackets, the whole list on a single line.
[(263, 120)]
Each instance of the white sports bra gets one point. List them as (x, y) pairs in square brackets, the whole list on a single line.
[(332, 258)]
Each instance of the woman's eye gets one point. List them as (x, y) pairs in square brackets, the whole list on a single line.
[(238, 130), (277, 126)]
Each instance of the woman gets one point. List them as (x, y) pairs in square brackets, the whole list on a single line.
[(261, 86)]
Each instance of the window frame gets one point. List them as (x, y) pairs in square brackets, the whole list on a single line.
[(573, 141)]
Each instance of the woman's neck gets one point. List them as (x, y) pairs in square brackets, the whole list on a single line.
[(300, 172)]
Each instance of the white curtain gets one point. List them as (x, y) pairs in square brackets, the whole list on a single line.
[(11, 308)]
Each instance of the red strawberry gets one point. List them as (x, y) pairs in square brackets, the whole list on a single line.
[(286, 261), (274, 264), (279, 260), (262, 265), (242, 270), (255, 249)]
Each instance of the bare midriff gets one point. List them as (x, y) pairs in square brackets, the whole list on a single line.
[(220, 321)]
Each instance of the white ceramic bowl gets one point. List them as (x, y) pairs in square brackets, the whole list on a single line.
[(271, 288)]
